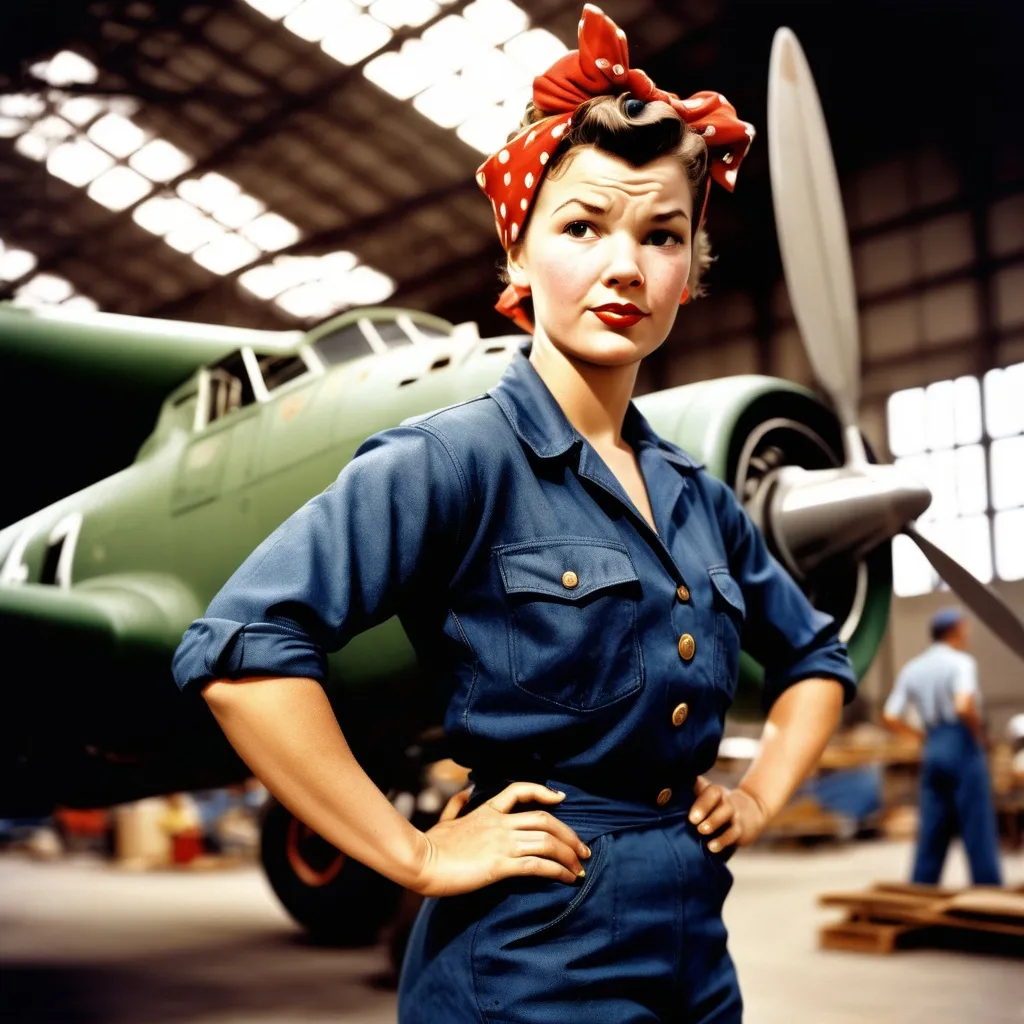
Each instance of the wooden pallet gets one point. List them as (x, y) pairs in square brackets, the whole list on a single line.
[(891, 916)]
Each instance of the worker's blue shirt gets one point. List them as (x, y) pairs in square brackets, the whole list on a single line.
[(930, 682), (563, 634)]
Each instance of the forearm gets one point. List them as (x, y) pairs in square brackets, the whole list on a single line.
[(285, 731), (972, 720), (795, 735), (901, 728)]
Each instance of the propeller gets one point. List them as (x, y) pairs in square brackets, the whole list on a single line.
[(813, 515)]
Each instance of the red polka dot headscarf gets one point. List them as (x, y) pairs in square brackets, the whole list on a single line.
[(600, 67)]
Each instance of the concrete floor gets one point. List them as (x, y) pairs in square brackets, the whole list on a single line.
[(84, 943)]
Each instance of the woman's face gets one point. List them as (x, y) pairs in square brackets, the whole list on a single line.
[(606, 256)]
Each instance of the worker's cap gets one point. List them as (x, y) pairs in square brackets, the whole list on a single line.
[(945, 619)]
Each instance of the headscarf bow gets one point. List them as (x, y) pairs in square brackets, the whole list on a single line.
[(600, 67)]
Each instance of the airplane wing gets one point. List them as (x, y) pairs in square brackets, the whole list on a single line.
[(113, 618)]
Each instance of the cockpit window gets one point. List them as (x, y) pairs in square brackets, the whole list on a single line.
[(343, 345), (391, 333), (278, 370), (228, 387), (431, 332)]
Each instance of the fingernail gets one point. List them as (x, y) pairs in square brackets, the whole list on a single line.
[(586, 851), (558, 791), (695, 817), (582, 874), (705, 827), (713, 846)]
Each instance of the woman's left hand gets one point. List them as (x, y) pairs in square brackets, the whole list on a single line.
[(735, 810)]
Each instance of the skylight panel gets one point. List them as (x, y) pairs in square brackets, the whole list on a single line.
[(78, 162), (227, 253), (119, 188), (314, 19), (404, 13), (193, 230), (535, 50), (239, 211), (67, 68), (496, 20), (271, 232), (117, 135), (16, 263), (80, 110), (274, 9), (360, 38), (158, 160)]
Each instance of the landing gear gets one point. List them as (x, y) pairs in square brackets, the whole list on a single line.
[(336, 899)]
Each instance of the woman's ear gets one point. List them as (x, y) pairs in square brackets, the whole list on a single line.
[(517, 274)]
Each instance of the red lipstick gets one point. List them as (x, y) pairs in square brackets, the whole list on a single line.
[(619, 314)]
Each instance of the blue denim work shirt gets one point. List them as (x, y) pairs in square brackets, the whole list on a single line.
[(568, 639)]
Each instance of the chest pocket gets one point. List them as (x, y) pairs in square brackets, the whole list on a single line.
[(730, 610), (572, 606)]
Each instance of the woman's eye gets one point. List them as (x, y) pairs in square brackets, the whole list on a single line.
[(577, 229), (662, 238)]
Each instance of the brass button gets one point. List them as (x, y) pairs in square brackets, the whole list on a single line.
[(687, 646), (664, 796), (680, 714), (683, 593), (570, 579)]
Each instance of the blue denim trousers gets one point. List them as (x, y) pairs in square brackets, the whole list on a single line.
[(640, 938), (956, 798)]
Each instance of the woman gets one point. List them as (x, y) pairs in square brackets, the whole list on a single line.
[(575, 587)]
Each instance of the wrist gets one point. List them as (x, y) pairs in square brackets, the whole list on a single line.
[(414, 862), (757, 799)]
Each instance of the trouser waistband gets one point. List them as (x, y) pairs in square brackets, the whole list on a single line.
[(592, 814)]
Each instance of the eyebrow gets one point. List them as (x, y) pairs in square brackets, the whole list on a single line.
[(670, 215), (598, 210), (589, 207)]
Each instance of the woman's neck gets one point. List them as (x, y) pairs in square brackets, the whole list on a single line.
[(593, 398)]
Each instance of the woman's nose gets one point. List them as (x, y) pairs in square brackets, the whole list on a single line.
[(623, 267)]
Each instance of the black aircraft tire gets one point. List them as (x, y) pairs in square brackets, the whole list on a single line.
[(347, 907)]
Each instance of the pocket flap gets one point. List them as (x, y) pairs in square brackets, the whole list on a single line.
[(728, 588), (569, 568)]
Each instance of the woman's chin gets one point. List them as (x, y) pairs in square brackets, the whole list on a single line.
[(610, 347)]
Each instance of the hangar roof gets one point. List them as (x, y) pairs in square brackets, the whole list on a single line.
[(265, 163)]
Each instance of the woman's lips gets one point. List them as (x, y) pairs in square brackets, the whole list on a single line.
[(611, 317)]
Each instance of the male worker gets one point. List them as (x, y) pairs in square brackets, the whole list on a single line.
[(956, 796)]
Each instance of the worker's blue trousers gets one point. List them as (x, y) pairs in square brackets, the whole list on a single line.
[(956, 797), (640, 938)]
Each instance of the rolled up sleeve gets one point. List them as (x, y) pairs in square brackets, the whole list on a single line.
[(334, 568), (789, 637)]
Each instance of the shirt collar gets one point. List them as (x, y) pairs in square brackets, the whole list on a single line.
[(539, 422)]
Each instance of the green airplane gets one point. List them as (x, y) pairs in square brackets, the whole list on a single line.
[(96, 589)]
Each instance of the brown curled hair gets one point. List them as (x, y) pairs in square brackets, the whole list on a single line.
[(638, 138)]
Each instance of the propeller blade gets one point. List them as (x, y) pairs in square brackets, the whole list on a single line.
[(812, 228), (982, 600)]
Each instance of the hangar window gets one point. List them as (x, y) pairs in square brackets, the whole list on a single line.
[(343, 345), (964, 439)]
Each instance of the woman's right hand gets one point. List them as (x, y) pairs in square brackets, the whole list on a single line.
[(490, 843)]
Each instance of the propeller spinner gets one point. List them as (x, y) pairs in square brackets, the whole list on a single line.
[(814, 515)]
